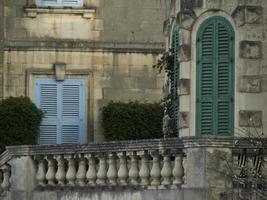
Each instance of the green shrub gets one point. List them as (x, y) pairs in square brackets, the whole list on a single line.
[(19, 121), (132, 121)]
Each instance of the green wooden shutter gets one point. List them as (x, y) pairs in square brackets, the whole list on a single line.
[(174, 77), (214, 96)]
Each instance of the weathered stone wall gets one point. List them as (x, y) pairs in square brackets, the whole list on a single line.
[(111, 76), (249, 20), (120, 21), (113, 49), (1, 44)]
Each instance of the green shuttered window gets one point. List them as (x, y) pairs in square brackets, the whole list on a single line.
[(63, 104), (215, 78), (174, 77)]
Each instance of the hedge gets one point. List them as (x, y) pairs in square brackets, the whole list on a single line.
[(132, 121), (19, 121)]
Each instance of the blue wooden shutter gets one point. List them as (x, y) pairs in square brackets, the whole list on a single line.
[(72, 2), (47, 2), (64, 107), (73, 111), (66, 3), (214, 96), (46, 97)]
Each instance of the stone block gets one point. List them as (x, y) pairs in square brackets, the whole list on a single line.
[(60, 71), (239, 15), (184, 53), (250, 118), (248, 15), (183, 118), (250, 49), (250, 84), (186, 19), (190, 4), (183, 86), (264, 84), (250, 67), (254, 14)]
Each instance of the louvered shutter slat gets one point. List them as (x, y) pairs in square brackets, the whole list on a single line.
[(174, 80), (205, 87), (224, 80), (72, 119), (46, 97)]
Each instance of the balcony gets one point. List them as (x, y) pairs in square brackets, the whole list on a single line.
[(189, 168)]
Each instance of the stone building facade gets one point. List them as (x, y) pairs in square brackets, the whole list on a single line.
[(107, 47), (233, 32)]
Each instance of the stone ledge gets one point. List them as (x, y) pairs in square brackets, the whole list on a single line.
[(87, 13), (169, 144), (84, 46)]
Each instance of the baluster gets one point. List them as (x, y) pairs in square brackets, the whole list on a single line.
[(112, 169), (144, 170), (71, 172), (91, 173), (123, 170), (61, 173), (51, 171), (155, 171), (264, 166), (102, 171), (1, 177), (166, 171), (81, 174), (6, 176), (134, 171), (178, 170), (41, 172)]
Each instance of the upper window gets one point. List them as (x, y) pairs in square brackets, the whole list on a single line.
[(60, 3), (215, 78)]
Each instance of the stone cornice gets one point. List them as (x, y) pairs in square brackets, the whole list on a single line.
[(83, 45)]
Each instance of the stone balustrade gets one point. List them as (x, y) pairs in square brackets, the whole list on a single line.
[(5, 173), (153, 169), (166, 164)]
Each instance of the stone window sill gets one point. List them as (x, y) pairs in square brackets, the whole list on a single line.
[(87, 13)]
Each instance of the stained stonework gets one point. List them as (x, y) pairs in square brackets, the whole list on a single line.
[(184, 53), (250, 84), (264, 84), (186, 18), (250, 118), (183, 118), (191, 4), (183, 86), (250, 49), (248, 15)]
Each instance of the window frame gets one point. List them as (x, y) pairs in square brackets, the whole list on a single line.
[(231, 60)]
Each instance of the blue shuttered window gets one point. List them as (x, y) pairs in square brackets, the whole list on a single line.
[(64, 3), (215, 78), (63, 104)]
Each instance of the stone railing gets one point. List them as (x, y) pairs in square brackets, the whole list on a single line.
[(137, 168), (5, 173), (195, 163)]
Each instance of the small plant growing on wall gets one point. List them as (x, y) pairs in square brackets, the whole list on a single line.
[(19, 121)]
